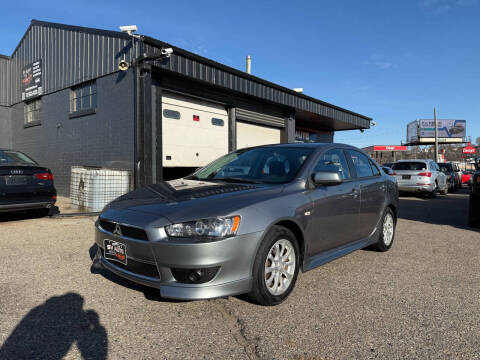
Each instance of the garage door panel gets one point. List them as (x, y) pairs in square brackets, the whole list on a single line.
[(190, 143), (253, 135)]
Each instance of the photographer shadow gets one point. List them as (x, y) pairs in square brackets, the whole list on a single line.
[(49, 330)]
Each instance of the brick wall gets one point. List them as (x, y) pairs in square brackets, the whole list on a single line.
[(104, 139)]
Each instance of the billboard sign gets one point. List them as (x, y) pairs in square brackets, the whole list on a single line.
[(445, 128), (32, 80), (412, 132)]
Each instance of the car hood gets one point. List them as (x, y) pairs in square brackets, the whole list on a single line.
[(184, 200)]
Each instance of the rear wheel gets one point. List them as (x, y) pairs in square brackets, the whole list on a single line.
[(444, 191), (433, 194), (276, 266), (387, 231)]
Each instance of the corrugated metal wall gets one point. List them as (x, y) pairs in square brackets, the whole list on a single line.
[(5, 78), (69, 56), (196, 69)]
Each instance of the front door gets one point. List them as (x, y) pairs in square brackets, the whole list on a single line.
[(372, 192), (335, 208)]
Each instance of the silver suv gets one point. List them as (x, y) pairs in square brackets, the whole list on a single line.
[(420, 176)]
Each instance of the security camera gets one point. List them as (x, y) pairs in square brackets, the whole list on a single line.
[(373, 123), (123, 65), (166, 52), (129, 28)]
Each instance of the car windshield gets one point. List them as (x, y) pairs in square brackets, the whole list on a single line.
[(8, 157), (446, 167), (270, 165), (409, 165)]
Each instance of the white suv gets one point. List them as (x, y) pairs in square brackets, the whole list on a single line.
[(420, 176)]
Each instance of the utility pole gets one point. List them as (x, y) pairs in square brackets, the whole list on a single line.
[(436, 133)]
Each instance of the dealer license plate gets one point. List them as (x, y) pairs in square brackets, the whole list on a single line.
[(16, 180), (113, 250)]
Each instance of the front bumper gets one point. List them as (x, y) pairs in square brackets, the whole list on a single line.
[(234, 256)]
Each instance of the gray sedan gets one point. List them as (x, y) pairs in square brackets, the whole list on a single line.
[(249, 222)]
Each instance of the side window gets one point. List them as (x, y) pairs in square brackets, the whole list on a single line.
[(376, 171), (83, 97), (334, 160), (172, 114), (31, 112), (361, 164)]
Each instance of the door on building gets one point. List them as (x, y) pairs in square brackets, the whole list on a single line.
[(194, 132), (254, 128), (253, 135)]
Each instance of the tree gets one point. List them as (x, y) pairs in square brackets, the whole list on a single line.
[(478, 141)]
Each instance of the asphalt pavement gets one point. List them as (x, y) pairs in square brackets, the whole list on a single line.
[(420, 300)]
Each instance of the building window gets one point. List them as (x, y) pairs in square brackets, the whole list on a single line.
[(217, 122), (83, 98), (31, 112), (172, 114)]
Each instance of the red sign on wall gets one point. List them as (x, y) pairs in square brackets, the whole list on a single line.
[(389, 148)]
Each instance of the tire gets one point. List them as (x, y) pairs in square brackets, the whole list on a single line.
[(433, 194), (444, 192), (41, 212), (386, 237), (265, 288)]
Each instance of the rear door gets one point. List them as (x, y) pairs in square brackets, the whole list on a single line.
[(335, 208), (372, 192)]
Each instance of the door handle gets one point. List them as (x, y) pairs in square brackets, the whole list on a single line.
[(354, 193)]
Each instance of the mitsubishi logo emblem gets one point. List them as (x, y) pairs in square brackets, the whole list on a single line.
[(117, 231)]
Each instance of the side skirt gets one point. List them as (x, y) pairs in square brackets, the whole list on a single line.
[(330, 255)]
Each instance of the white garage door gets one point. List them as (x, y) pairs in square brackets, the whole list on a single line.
[(253, 135), (194, 132)]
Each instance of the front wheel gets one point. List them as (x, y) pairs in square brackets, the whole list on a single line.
[(276, 266), (387, 233)]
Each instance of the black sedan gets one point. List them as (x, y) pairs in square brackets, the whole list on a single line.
[(474, 204), (24, 185)]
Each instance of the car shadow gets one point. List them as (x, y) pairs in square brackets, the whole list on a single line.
[(451, 209), (49, 330), (149, 293), (27, 215)]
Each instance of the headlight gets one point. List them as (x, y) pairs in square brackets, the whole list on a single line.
[(217, 228)]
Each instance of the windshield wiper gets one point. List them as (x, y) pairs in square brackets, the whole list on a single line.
[(237, 180)]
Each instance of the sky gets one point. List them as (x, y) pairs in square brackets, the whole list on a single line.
[(393, 61)]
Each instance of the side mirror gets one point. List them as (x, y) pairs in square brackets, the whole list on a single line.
[(387, 170), (327, 178)]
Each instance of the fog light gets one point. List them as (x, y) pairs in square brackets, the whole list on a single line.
[(195, 276)]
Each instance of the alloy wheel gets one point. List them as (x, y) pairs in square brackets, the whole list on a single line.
[(388, 229), (280, 267)]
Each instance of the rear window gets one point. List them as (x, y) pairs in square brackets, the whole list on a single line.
[(409, 165), (14, 157), (446, 167)]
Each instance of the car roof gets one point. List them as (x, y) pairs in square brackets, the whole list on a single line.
[(307, 145), (423, 160)]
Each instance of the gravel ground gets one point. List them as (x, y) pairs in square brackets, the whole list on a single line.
[(419, 300)]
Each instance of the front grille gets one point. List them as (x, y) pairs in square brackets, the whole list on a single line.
[(127, 231), (136, 267)]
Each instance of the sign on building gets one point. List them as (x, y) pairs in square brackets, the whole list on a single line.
[(32, 80)]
